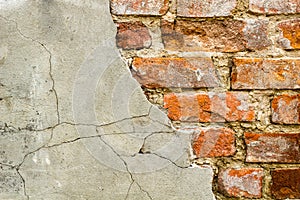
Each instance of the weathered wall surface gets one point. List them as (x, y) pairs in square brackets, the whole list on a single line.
[(222, 77), (229, 72), (74, 124)]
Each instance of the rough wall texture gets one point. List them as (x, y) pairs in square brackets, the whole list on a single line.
[(229, 72), (74, 123), (202, 103)]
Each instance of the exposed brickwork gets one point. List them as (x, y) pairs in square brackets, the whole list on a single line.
[(286, 183), (215, 35), (258, 73), (229, 71), (286, 109), (139, 7), (246, 182), (212, 107), (214, 142), (273, 147), (290, 30), (205, 8), (175, 72), (133, 35), (274, 6)]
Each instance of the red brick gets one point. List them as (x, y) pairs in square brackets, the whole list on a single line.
[(245, 182), (257, 73), (133, 35), (213, 142), (286, 109), (209, 107), (214, 35), (205, 8), (139, 7), (274, 6), (286, 183), (272, 147), (256, 34), (175, 72), (290, 34)]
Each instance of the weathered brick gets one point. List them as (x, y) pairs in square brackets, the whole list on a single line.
[(213, 142), (257, 73), (175, 72), (274, 6), (139, 7), (215, 35), (286, 183), (245, 182), (272, 147), (205, 8), (209, 107), (290, 34), (286, 109), (256, 34), (133, 35)]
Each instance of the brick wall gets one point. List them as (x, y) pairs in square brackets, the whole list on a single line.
[(229, 71)]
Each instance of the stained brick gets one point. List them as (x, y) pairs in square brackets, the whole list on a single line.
[(133, 35), (286, 109), (205, 8), (139, 7), (290, 34), (257, 73), (256, 34), (214, 142), (209, 107), (175, 72), (245, 182), (274, 6), (286, 183), (215, 35), (272, 147)]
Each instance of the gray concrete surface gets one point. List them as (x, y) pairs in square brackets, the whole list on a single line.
[(74, 124)]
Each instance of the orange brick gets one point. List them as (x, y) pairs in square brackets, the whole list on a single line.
[(215, 35), (213, 142), (286, 109), (257, 73), (290, 34), (272, 147), (139, 7), (274, 6), (205, 8), (209, 107), (175, 72), (245, 182), (133, 35)]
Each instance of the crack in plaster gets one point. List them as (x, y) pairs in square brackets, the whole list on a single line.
[(127, 169), (50, 61), (24, 184)]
